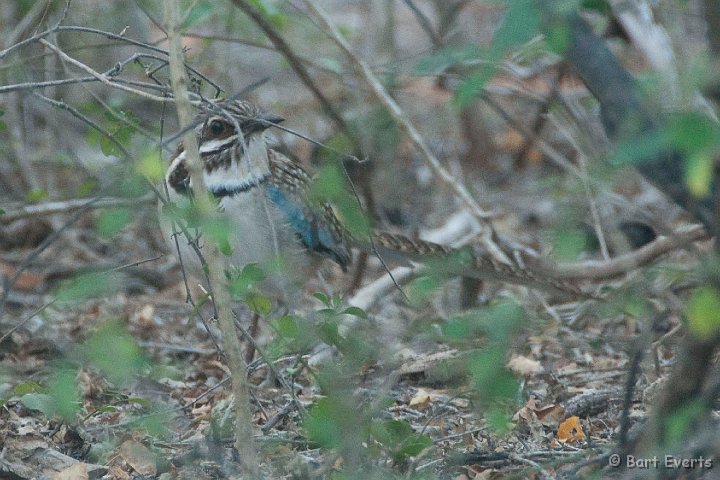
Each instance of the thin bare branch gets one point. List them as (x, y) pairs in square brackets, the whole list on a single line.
[(24, 24), (75, 113), (295, 63), (602, 270), (18, 87), (66, 206), (221, 298), (424, 23), (103, 78), (27, 319)]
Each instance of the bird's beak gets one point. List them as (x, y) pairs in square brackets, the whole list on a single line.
[(272, 118), (262, 122)]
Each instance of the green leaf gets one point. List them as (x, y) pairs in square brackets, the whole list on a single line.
[(457, 329), (120, 125), (63, 390), (329, 187), (399, 437), (499, 421), (35, 196), (252, 273), (269, 10), (27, 387), (112, 221), (639, 148), (699, 173), (114, 352), (569, 244), (87, 187), (108, 147), (287, 326), (151, 166), (391, 432), (600, 6), (558, 38), (38, 401), (246, 281), (89, 285), (421, 288), (412, 447), (61, 398), (219, 231), (2, 212), (200, 11), (492, 382), (323, 298), (679, 424), (259, 304), (330, 333), (704, 312), (520, 24), (498, 322), (323, 424), (446, 58), (355, 312), (693, 132), (470, 88), (143, 402)]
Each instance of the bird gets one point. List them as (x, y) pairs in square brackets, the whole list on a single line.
[(267, 201)]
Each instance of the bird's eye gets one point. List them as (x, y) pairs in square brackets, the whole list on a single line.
[(217, 127)]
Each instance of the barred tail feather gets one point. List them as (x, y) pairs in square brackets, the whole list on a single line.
[(466, 263)]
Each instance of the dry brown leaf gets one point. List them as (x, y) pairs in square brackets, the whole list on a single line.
[(461, 403), (117, 473), (571, 431), (422, 363), (144, 316), (27, 281), (138, 457), (421, 399), (527, 412), (79, 471), (202, 412), (550, 414), (524, 366)]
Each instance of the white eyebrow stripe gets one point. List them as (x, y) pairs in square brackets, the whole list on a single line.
[(176, 161), (218, 145)]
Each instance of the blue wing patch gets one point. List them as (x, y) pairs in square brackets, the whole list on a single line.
[(316, 237)]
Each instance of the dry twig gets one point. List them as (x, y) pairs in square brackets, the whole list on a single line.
[(221, 298)]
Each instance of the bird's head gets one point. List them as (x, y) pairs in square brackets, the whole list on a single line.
[(233, 149)]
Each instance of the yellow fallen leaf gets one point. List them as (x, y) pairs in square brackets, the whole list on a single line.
[(421, 399), (571, 431)]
